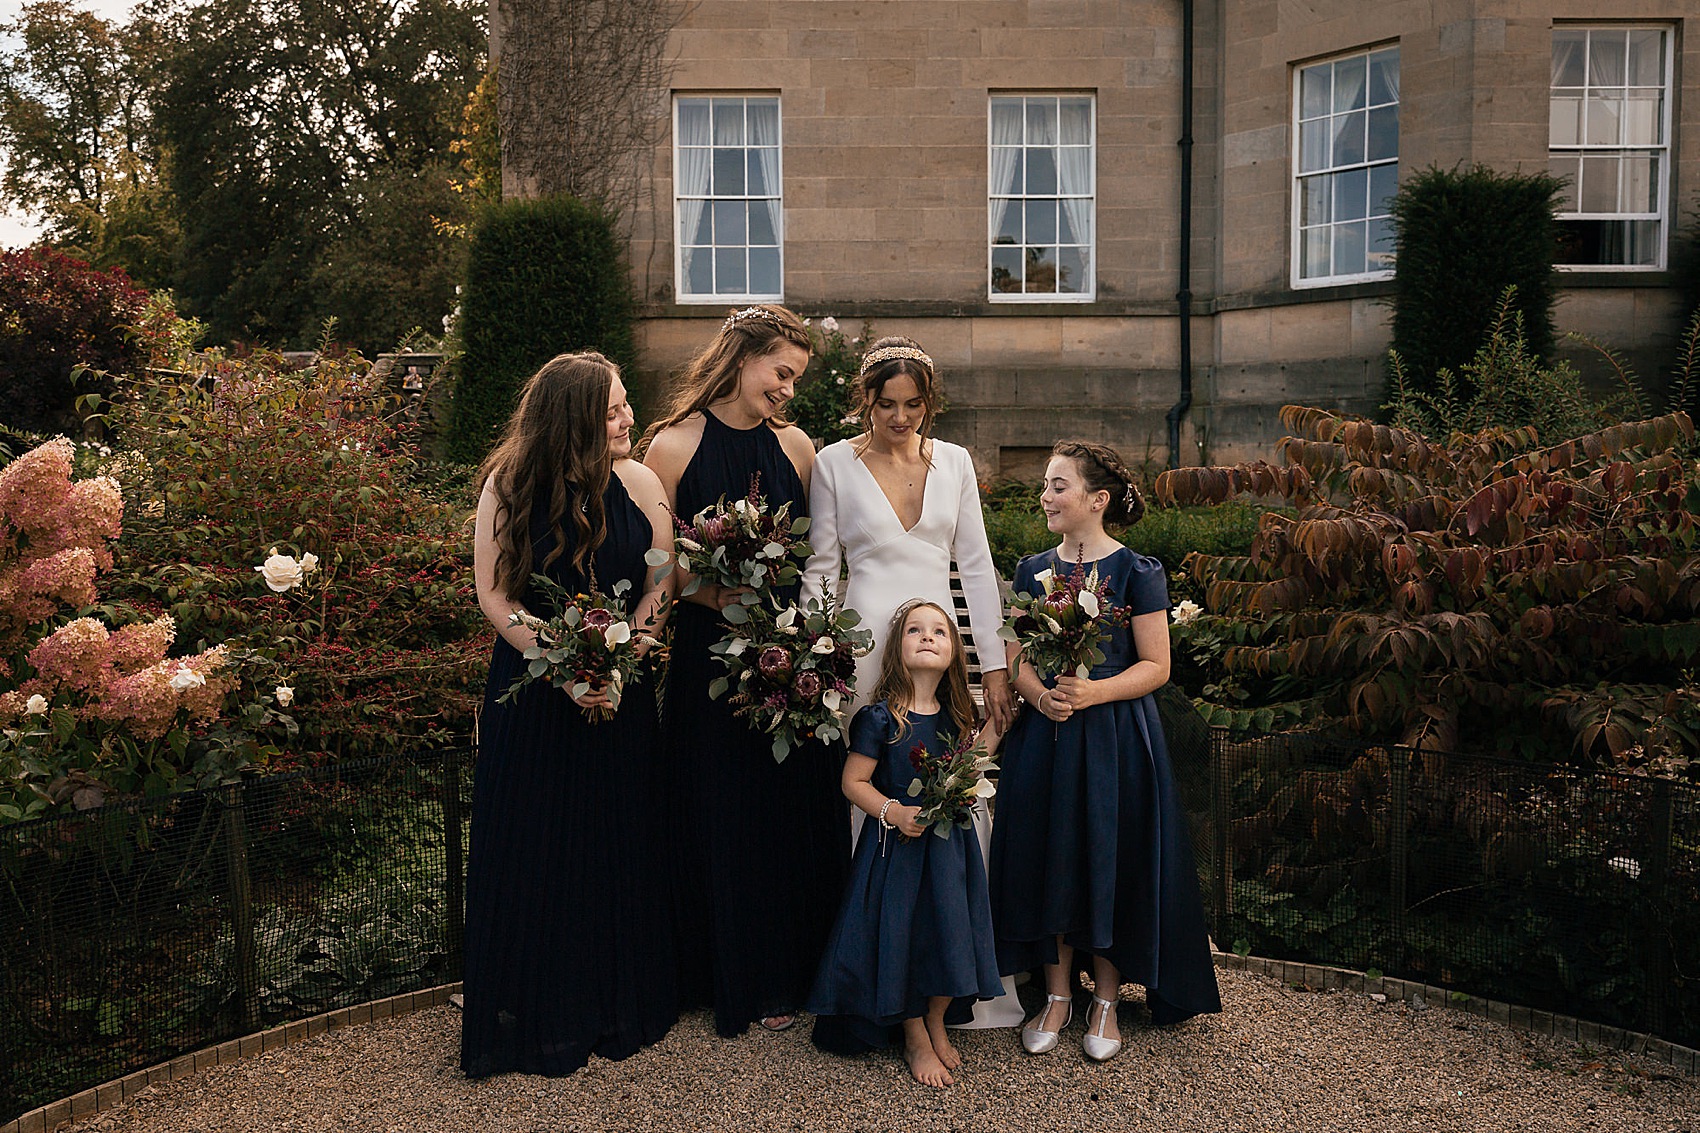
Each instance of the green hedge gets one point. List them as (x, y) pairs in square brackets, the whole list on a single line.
[(1465, 235), (543, 276)]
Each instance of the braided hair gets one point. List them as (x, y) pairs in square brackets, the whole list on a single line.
[(1104, 471)]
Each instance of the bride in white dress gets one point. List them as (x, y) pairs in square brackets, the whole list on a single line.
[(896, 506)]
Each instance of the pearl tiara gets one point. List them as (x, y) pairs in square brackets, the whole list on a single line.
[(888, 353), (751, 315)]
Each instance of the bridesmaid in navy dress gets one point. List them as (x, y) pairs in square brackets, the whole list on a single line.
[(762, 847), (1090, 849), (569, 949)]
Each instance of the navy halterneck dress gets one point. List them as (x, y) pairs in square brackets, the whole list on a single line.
[(569, 949), (916, 921), (763, 846), (1091, 841)]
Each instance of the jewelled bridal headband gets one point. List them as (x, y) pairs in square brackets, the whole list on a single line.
[(751, 315), (887, 353)]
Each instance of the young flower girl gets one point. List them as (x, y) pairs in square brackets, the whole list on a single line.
[(914, 932)]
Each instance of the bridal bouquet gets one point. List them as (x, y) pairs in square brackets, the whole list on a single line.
[(587, 643), (791, 674), (951, 783), (742, 543), (1061, 629)]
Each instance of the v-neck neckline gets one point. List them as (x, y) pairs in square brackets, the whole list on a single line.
[(926, 480)]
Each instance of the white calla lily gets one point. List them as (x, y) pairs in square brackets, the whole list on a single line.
[(617, 634), (823, 645), (1089, 603)]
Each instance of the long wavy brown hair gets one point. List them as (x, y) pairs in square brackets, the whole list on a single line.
[(897, 689), (713, 374), (554, 448)]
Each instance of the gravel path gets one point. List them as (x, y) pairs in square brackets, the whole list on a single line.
[(1276, 1059)]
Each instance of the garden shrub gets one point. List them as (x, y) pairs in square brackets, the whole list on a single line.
[(1535, 598), (56, 314), (89, 710), (1465, 236), (543, 276), (366, 612), (827, 396)]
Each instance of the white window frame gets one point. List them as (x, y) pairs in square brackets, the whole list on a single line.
[(1296, 227), (1090, 293), (726, 298), (1662, 217)]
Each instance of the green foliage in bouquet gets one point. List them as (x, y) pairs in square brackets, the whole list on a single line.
[(742, 544), (949, 785)]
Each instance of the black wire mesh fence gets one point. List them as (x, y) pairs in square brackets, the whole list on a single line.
[(1563, 890), (140, 931)]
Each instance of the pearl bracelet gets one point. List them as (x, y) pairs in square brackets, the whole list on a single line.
[(884, 825)]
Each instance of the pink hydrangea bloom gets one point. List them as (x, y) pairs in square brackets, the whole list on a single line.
[(147, 704), (33, 591), (141, 644), (74, 656)]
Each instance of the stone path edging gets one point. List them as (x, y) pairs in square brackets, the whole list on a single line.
[(1682, 1059)]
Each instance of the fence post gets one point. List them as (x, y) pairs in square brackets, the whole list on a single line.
[(1222, 871), (454, 891), (1398, 850), (1656, 915), (240, 886)]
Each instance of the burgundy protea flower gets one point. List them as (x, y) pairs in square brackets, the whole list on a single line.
[(774, 663), (807, 684), (1058, 599), (597, 618), (714, 529)]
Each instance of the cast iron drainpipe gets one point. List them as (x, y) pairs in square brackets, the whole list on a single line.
[(1184, 296)]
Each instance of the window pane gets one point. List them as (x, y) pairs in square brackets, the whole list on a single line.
[(764, 271), (1067, 232), (1071, 270), (1569, 170), (1599, 184), (1640, 242), (1076, 122), (1349, 138), (1315, 90), (693, 122), (1602, 121), (1313, 145), (728, 121), (1041, 121), (1606, 53), (1569, 49), (1314, 264), (729, 276), (1381, 246), (1349, 248), (698, 273), (1647, 57), (1384, 77), (1640, 183), (1565, 127), (763, 114), (1351, 194), (761, 222), (1383, 184), (1041, 270), (704, 229), (1643, 117), (728, 172), (1006, 171), (1075, 170), (1384, 133), (1041, 172), (1041, 222), (1006, 215), (729, 223), (1349, 82), (1006, 121), (693, 172), (1316, 200), (1006, 269), (759, 160)]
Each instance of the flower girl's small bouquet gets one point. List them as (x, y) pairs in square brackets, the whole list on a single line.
[(950, 784), (1061, 629), (741, 543), (791, 674), (588, 643)]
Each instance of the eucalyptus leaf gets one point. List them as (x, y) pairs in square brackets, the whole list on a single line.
[(717, 688), (737, 614), (914, 787)]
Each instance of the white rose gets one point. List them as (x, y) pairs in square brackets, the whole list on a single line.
[(36, 705), (1187, 611), (617, 634), (281, 572), (309, 561), (829, 325), (186, 678), (823, 645), (1089, 603), (1625, 865), (285, 696)]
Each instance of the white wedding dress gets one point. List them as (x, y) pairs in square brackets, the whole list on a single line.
[(852, 521)]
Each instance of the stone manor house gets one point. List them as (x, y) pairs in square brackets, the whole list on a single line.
[(1005, 180)]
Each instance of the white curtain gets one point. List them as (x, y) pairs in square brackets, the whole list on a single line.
[(1074, 172), (1006, 154), (764, 137), (692, 185)]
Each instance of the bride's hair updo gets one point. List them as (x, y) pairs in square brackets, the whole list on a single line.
[(895, 356), (1104, 471)]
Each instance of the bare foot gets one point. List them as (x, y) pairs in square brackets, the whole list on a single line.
[(778, 1022), (941, 1044), (925, 1067)]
